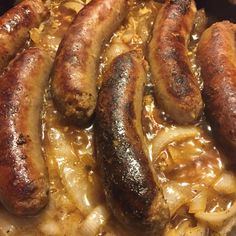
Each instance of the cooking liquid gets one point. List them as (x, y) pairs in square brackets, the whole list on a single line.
[(188, 166)]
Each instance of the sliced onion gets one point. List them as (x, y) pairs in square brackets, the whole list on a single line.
[(94, 221), (186, 230), (199, 230), (225, 184), (11, 225), (7, 228), (115, 50), (50, 227), (176, 195), (169, 135), (35, 34), (180, 231), (146, 17), (171, 232), (74, 175), (73, 5), (229, 228), (198, 203), (217, 218)]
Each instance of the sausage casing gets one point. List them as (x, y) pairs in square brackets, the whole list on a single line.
[(76, 64), (175, 86), (216, 55), (15, 25), (23, 180), (131, 189)]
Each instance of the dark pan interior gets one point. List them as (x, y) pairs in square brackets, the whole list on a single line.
[(219, 9), (5, 5)]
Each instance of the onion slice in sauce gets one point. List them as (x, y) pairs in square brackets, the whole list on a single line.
[(169, 135), (217, 218), (176, 195), (73, 173), (94, 221), (198, 203), (225, 184)]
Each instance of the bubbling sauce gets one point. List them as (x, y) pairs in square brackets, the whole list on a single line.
[(189, 167)]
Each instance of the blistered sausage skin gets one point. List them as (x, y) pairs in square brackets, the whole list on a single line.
[(131, 189), (15, 25), (175, 86), (23, 180), (216, 55), (76, 64)]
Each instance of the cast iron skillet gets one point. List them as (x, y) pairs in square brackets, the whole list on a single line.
[(218, 10), (5, 5)]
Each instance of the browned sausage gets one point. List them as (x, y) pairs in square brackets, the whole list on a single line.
[(130, 186), (217, 57), (76, 65), (23, 180), (15, 25), (175, 86)]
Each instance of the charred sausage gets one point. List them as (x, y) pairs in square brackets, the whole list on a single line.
[(131, 189), (216, 55), (175, 86), (15, 25), (23, 180), (76, 64)]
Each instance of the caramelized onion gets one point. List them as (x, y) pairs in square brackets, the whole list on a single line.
[(77, 189), (198, 203), (169, 135), (176, 195), (217, 218), (94, 221), (225, 184), (199, 230), (73, 5), (74, 174), (50, 227), (185, 229), (115, 50), (8, 227)]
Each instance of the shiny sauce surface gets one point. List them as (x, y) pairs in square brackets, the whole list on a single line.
[(189, 166)]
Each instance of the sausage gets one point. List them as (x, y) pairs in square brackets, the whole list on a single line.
[(131, 189), (15, 25), (23, 181), (216, 55), (76, 64), (175, 86)]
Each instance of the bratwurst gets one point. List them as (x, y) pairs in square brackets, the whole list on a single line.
[(175, 86), (217, 58), (76, 64), (131, 189), (15, 25), (23, 179)]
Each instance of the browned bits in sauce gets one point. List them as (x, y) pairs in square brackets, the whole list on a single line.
[(189, 166)]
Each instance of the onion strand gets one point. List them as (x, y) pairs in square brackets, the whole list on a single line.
[(217, 218), (170, 135)]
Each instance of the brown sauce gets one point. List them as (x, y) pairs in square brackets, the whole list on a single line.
[(188, 166)]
